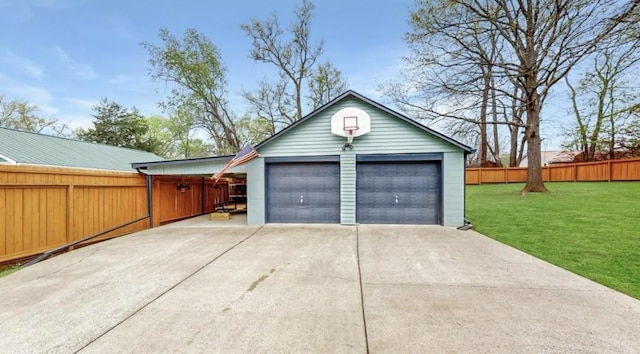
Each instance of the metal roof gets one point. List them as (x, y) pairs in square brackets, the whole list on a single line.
[(182, 161), (22, 147)]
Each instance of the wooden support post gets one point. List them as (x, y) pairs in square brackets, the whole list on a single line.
[(70, 227), (506, 175), (609, 170), (575, 172), (480, 176)]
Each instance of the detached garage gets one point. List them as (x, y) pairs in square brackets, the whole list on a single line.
[(351, 161)]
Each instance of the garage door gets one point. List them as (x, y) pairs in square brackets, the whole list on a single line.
[(303, 192), (398, 193)]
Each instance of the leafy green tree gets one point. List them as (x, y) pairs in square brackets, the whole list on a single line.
[(119, 126), (194, 69), (21, 115)]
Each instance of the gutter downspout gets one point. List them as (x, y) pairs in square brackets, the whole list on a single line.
[(467, 223), (149, 179)]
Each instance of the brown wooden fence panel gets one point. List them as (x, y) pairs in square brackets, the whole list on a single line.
[(562, 173), (472, 176), (45, 207), (516, 174), (594, 171), (625, 170), (611, 170), (171, 204)]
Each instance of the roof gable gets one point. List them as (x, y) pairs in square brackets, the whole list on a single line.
[(22, 147), (349, 98)]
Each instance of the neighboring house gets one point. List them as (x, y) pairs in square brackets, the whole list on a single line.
[(554, 157), (26, 148), (401, 172)]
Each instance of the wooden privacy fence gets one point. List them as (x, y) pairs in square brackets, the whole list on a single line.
[(42, 208), (610, 170), (46, 207)]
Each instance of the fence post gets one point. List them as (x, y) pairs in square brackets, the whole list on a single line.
[(575, 172), (479, 176), (70, 226), (506, 175), (608, 170)]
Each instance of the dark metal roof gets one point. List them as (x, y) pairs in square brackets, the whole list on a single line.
[(180, 161), (351, 93)]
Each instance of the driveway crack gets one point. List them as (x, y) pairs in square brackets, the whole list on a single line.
[(364, 316)]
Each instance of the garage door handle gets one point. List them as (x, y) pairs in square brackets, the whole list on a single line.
[(396, 199)]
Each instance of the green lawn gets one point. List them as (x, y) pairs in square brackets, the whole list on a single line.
[(592, 229)]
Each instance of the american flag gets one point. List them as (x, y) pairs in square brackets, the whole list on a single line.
[(247, 153)]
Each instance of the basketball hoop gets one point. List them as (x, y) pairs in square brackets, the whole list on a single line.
[(350, 122)]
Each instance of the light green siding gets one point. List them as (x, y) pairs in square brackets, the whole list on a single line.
[(348, 188), (453, 189), (255, 191), (389, 135)]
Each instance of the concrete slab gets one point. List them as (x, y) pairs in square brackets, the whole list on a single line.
[(194, 286), (434, 289), (292, 288), (63, 303)]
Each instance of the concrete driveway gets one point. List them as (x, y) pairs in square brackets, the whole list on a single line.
[(193, 287)]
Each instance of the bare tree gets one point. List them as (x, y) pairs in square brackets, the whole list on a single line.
[(272, 103), (541, 41), (21, 115), (604, 99), (325, 84), (294, 57)]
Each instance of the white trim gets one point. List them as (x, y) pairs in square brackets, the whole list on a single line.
[(10, 161)]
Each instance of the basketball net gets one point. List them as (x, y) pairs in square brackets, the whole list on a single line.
[(350, 131)]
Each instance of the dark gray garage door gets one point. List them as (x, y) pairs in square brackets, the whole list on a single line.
[(398, 193), (303, 192)]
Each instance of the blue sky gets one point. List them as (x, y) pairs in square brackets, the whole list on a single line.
[(65, 55)]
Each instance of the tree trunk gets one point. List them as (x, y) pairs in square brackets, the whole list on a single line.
[(483, 119), (494, 112), (534, 152)]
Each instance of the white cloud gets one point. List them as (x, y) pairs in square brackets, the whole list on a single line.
[(23, 64), (32, 94), (82, 70), (80, 102), (75, 121)]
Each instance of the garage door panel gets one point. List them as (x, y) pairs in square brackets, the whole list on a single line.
[(398, 193), (303, 192)]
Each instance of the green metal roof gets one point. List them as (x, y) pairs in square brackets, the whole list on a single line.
[(29, 148)]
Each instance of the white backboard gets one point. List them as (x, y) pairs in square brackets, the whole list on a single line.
[(348, 117)]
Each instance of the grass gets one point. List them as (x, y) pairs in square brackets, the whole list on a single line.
[(591, 229), (11, 269)]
